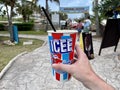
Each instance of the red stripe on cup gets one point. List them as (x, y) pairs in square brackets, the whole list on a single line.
[(57, 76)]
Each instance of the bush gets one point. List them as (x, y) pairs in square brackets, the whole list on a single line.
[(1, 27), (24, 26)]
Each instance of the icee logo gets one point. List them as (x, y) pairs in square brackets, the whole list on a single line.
[(61, 46)]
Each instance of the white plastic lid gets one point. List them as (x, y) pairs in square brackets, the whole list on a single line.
[(62, 31)]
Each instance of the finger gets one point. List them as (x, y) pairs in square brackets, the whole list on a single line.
[(74, 60), (62, 67), (75, 55), (78, 51)]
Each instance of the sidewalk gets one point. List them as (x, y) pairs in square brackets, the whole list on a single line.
[(32, 71)]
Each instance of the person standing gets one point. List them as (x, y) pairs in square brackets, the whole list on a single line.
[(66, 24), (79, 28), (87, 25)]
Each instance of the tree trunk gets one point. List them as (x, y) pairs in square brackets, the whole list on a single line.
[(28, 18), (24, 18), (46, 18), (10, 24), (97, 20)]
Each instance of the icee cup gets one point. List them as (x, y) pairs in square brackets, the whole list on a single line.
[(61, 45)]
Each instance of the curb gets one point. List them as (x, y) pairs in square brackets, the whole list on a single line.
[(45, 42), (10, 64), (5, 69)]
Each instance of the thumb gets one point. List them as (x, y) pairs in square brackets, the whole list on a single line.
[(62, 67)]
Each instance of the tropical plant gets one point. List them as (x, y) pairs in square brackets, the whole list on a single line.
[(57, 1), (36, 7), (24, 8), (97, 22), (11, 4), (63, 16), (27, 8), (2, 12), (107, 7)]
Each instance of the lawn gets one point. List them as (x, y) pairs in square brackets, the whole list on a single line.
[(8, 52), (41, 32)]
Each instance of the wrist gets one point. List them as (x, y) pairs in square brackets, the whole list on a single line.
[(94, 82)]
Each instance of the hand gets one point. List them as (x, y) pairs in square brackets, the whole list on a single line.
[(82, 71)]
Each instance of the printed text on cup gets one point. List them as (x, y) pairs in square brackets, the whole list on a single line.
[(61, 46)]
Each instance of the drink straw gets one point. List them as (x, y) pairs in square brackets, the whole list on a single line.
[(48, 19)]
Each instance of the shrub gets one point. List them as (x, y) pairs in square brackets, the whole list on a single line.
[(1, 27), (24, 26)]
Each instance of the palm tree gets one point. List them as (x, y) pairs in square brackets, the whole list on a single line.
[(34, 4), (35, 1), (106, 7), (57, 1), (35, 7), (2, 12), (24, 8), (11, 4), (27, 8), (97, 19)]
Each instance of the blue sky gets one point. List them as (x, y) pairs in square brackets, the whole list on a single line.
[(69, 3)]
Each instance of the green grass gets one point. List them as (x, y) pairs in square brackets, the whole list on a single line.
[(3, 18), (41, 32), (8, 52), (4, 32)]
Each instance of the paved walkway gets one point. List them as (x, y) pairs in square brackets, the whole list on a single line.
[(32, 71)]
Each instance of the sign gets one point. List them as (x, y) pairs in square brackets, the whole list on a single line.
[(75, 9), (55, 19), (86, 44), (111, 34)]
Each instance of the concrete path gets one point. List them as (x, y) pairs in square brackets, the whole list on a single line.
[(32, 71)]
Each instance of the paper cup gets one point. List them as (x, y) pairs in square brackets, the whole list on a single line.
[(61, 44)]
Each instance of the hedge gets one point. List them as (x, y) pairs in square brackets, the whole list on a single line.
[(2, 27), (24, 26)]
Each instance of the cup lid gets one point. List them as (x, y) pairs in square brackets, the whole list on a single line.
[(62, 31)]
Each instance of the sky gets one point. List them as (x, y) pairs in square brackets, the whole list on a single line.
[(69, 3)]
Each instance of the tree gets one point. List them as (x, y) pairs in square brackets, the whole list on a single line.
[(107, 7), (2, 12), (97, 18), (24, 8), (35, 7), (103, 10), (11, 4), (63, 16), (27, 8), (57, 1)]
